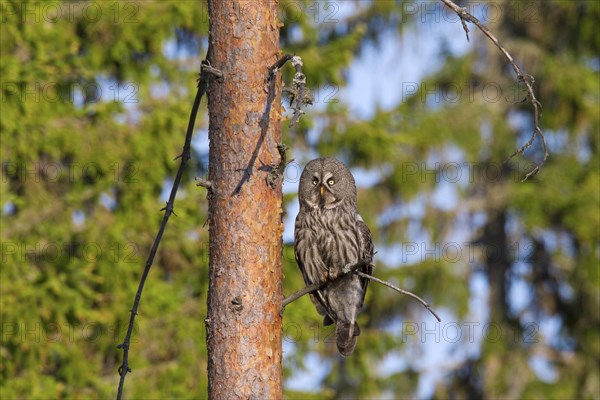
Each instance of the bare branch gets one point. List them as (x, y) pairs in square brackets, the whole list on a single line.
[(277, 170), (273, 69), (521, 76), (168, 209), (397, 289), (354, 268), (206, 68), (316, 286)]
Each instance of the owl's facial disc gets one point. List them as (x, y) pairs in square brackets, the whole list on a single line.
[(326, 191), (322, 194)]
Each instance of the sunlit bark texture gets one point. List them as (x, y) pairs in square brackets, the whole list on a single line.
[(244, 299)]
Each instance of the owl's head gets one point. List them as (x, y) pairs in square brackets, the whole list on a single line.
[(326, 183)]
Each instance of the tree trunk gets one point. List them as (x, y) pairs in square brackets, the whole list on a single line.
[(245, 292)]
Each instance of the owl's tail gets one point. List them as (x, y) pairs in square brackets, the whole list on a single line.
[(346, 335)]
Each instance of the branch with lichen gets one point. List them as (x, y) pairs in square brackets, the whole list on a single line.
[(298, 91)]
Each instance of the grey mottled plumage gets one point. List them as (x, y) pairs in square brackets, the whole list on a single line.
[(329, 235)]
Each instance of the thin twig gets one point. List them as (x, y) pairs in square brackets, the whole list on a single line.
[(184, 156), (316, 286), (406, 292), (521, 76), (464, 24)]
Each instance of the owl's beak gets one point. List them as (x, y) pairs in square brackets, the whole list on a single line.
[(321, 190)]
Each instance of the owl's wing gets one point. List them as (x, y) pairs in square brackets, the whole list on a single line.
[(366, 251), (316, 297), (310, 263)]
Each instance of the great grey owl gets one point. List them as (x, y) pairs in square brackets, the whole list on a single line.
[(329, 235)]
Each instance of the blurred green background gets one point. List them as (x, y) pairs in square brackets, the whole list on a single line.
[(95, 102)]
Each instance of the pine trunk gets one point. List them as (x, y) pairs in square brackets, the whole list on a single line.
[(245, 289)]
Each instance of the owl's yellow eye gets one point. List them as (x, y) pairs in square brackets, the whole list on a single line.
[(330, 182), (315, 181)]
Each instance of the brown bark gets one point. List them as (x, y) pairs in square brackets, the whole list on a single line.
[(245, 293)]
